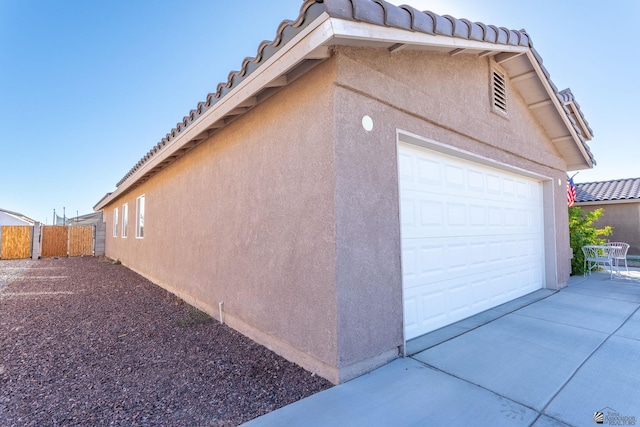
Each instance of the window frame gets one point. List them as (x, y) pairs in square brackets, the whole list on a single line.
[(140, 211), (115, 222), (125, 220)]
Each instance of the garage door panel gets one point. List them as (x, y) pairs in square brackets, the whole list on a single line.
[(453, 215), (430, 214), (433, 309), (481, 299), (451, 229), (417, 169), (425, 309), (476, 181), (429, 171), (408, 214), (472, 238), (411, 314), (469, 191), (432, 260)]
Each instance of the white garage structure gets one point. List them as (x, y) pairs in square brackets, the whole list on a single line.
[(472, 236)]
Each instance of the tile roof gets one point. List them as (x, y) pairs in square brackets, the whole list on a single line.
[(618, 189), (287, 29), (376, 12)]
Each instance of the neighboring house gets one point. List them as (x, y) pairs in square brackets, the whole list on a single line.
[(90, 219), (620, 200), (373, 174), (14, 218)]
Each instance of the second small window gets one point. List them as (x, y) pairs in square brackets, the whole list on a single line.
[(125, 219), (115, 222), (140, 217)]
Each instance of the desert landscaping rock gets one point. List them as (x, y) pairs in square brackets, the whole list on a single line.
[(87, 342)]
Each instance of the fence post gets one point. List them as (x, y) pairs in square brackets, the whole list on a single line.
[(100, 236), (35, 240)]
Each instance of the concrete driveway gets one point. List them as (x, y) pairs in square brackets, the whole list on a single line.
[(547, 359)]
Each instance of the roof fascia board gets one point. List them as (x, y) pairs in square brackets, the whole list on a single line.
[(559, 107), (581, 122), (19, 217), (16, 214), (363, 31), (345, 29), (608, 202), (302, 45)]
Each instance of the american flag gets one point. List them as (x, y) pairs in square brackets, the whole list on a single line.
[(571, 192)]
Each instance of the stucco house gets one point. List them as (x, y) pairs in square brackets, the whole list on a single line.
[(372, 174), (620, 200)]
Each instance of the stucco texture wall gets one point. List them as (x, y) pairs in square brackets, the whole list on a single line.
[(290, 214), (247, 218), (624, 218), (447, 99)]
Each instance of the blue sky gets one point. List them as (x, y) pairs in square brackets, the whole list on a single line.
[(88, 87)]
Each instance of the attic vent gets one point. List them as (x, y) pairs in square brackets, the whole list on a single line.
[(499, 95)]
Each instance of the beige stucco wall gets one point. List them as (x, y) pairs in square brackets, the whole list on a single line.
[(625, 220), (447, 99), (247, 218), (290, 214)]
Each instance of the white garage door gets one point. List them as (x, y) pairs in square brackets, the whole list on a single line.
[(472, 237)]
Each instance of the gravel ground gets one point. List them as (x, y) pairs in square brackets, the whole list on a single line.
[(87, 342)]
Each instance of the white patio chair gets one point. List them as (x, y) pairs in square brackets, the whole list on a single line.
[(597, 257), (619, 253)]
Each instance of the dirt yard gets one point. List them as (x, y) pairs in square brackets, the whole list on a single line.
[(87, 342)]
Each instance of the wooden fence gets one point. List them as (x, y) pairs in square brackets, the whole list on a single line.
[(80, 241), (54, 241), (16, 242)]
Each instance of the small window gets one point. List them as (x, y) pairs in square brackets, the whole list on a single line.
[(125, 219), (499, 92), (140, 217), (115, 222)]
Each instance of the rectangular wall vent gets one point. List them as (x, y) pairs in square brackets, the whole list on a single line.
[(499, 92)]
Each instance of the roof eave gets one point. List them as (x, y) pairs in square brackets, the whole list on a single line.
[(607, 202), (305, 46), (311, 44), (577, 157), (586, 159)]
